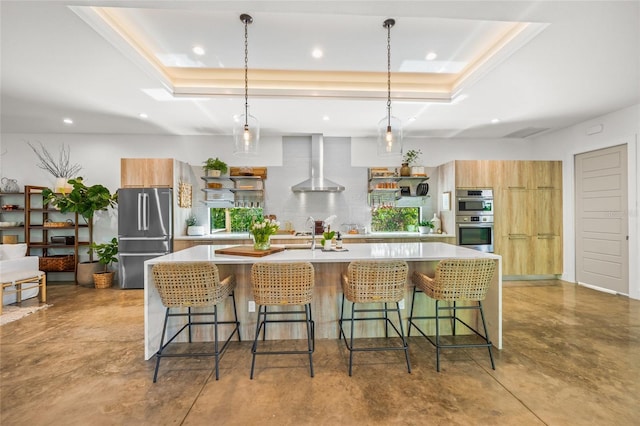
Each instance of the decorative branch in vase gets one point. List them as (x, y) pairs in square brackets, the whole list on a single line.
[(61, 168)]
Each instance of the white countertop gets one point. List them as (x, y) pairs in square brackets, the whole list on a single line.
[(367, 251), (245, 236), (420, 254)]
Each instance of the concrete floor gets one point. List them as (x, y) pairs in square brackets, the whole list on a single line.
[(571, 357)]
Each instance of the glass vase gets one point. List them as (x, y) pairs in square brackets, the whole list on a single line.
[(261, 243)]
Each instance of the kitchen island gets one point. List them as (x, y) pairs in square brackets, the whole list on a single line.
[(327, 295)]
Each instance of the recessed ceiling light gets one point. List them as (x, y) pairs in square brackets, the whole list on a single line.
[(412, 119), (198, 50), (143, 115), (431, 56), (495, 121), (325, 117), (68, 121), (317, 53)]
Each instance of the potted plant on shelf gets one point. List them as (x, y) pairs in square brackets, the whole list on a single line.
[(425, 226), (409, 158), (193, 227), (107, 254), (86, 201), (214, 167)]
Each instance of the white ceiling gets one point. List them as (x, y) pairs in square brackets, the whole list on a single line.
[(577, 60)]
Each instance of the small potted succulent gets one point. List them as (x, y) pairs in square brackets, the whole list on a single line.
[(425, 227), (327, 238), (193, 227), (214, 167)]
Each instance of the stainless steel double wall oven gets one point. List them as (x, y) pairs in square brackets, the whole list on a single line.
[(474, 219)]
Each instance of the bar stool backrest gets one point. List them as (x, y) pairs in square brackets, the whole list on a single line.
[(376, 281), (282, 283), (189, 284), (462, 279)]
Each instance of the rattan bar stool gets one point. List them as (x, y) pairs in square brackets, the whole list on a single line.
[(374, 282), (283, 284), (194, 285), (456, 280)]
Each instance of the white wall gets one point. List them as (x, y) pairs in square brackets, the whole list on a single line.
[(346, 161), (620, 127)]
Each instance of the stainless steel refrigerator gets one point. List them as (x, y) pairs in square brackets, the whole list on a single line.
[(144, 230)]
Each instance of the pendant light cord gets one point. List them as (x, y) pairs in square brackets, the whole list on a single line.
[(246, 74), (389, 25)]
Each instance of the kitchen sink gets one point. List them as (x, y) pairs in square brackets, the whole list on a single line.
[(299, 246)]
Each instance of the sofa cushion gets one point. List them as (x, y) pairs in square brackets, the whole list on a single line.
[(12, 251)]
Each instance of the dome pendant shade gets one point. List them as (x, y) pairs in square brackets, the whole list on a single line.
[(389, 137), (246, 136)]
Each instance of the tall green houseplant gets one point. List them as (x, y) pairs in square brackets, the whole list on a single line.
[(84, 200)]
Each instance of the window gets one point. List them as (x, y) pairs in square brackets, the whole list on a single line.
[(394, 219), (241, 218)]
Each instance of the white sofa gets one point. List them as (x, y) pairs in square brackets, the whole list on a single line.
[(20, 271)]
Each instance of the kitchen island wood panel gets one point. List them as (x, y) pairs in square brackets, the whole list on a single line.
[(326, 303)]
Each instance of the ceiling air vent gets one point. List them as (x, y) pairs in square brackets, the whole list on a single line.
[(526, 132)]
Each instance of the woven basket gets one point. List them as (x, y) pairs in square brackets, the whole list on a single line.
[(57, 263), (103, 280)]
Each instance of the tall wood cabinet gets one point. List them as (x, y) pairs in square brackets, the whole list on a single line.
[(528, 220)]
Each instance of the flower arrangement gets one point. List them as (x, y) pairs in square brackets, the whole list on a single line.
[(261, 230)]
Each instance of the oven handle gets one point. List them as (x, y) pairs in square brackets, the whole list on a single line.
[(473, 225), (475, 198)]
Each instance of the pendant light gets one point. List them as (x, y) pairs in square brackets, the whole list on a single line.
[(389, 128), (246, 131)]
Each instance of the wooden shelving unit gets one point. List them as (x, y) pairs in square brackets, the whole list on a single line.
[(12, 214), (38, 232)]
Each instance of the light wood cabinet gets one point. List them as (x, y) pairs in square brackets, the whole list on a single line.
[(476, 173), (512, 212), (515, 252), (545, 174), (512, 174), (528, 211), (146, 172)]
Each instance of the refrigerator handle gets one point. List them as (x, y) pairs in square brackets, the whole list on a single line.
[(145, 212), (140, 202), (165, 238), (143, 220)]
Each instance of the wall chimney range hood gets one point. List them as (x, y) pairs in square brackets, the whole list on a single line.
[(317, 181)]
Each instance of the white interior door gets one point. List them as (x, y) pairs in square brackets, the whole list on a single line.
[(602, 242)]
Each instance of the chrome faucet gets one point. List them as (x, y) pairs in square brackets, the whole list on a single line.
[(313, 231)]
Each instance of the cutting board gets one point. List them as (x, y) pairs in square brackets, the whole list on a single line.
[(248, 251)]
